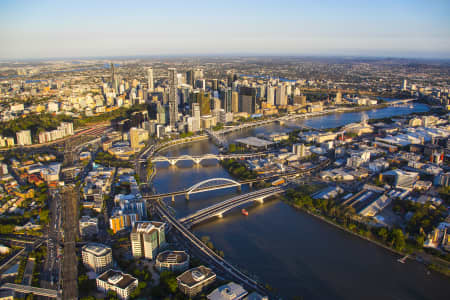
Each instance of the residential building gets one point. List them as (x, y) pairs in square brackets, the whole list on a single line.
[(120, 283), (23, 137), (235, 102), (173, 103), (97, 257), (150, 79), (147, 238)]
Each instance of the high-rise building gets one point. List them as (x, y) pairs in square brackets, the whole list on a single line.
[(247, 100), (147, 238), (113, 75), (205, 103), (190, 77), (270, 95), (230, 78), (280, 94), (214, 84), (161, 114), (97, 257), (227, 99), (405, 82), (23, 137), (134, 138), (173, 104), (234, 102), (198, 74), (196, 123), (150, 79), (338, 99)]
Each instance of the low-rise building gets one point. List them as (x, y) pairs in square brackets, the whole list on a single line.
[(88, 226), (97, 257), (229, 291), (174, 261), (193, 281), (120, 283)]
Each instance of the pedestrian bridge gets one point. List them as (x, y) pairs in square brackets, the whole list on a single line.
[(26, 289)]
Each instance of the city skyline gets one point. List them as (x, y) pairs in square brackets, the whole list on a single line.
[(50, 29)]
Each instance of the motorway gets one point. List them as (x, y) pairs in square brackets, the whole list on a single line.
[(50, 273)]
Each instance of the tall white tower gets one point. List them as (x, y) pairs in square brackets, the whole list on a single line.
[(150, 79)]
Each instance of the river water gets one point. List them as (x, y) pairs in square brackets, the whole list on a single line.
[(297, 254)]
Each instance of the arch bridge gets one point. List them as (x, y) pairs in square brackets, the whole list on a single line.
[(202, 186)]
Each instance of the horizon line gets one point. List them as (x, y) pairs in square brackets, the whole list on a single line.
[(232, 55)]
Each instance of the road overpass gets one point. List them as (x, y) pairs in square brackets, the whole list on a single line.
[(26, 289), (216, 261), (217, 210)]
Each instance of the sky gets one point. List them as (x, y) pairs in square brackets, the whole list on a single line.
[(97, 28)]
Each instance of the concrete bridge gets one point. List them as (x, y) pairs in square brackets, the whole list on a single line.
[(223, 183), (199, 158), (217, 210), (401, 101), (26, 289)]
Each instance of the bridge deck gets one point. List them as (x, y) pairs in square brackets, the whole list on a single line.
[(31, 289)]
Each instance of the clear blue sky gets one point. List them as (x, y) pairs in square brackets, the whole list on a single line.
[(79, 28)]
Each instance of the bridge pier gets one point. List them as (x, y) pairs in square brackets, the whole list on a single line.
[(186, 196), (172, 162), (260, 200), (250, 184), (239, 188), (197, 161), (220, 216), (173, 198)]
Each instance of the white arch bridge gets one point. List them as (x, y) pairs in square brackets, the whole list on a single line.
[(204, 186), (198, 159)]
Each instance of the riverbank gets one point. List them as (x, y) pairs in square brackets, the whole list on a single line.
[(430, 262)]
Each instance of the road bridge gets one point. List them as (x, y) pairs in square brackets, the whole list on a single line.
[(217, 210), (197, 159), (217, 262), (26, 289), (211, 184)]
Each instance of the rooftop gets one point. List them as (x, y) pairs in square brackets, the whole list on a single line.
[(254, 142), (96, 249), (147, 226), (195, 276), (172, 256)]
